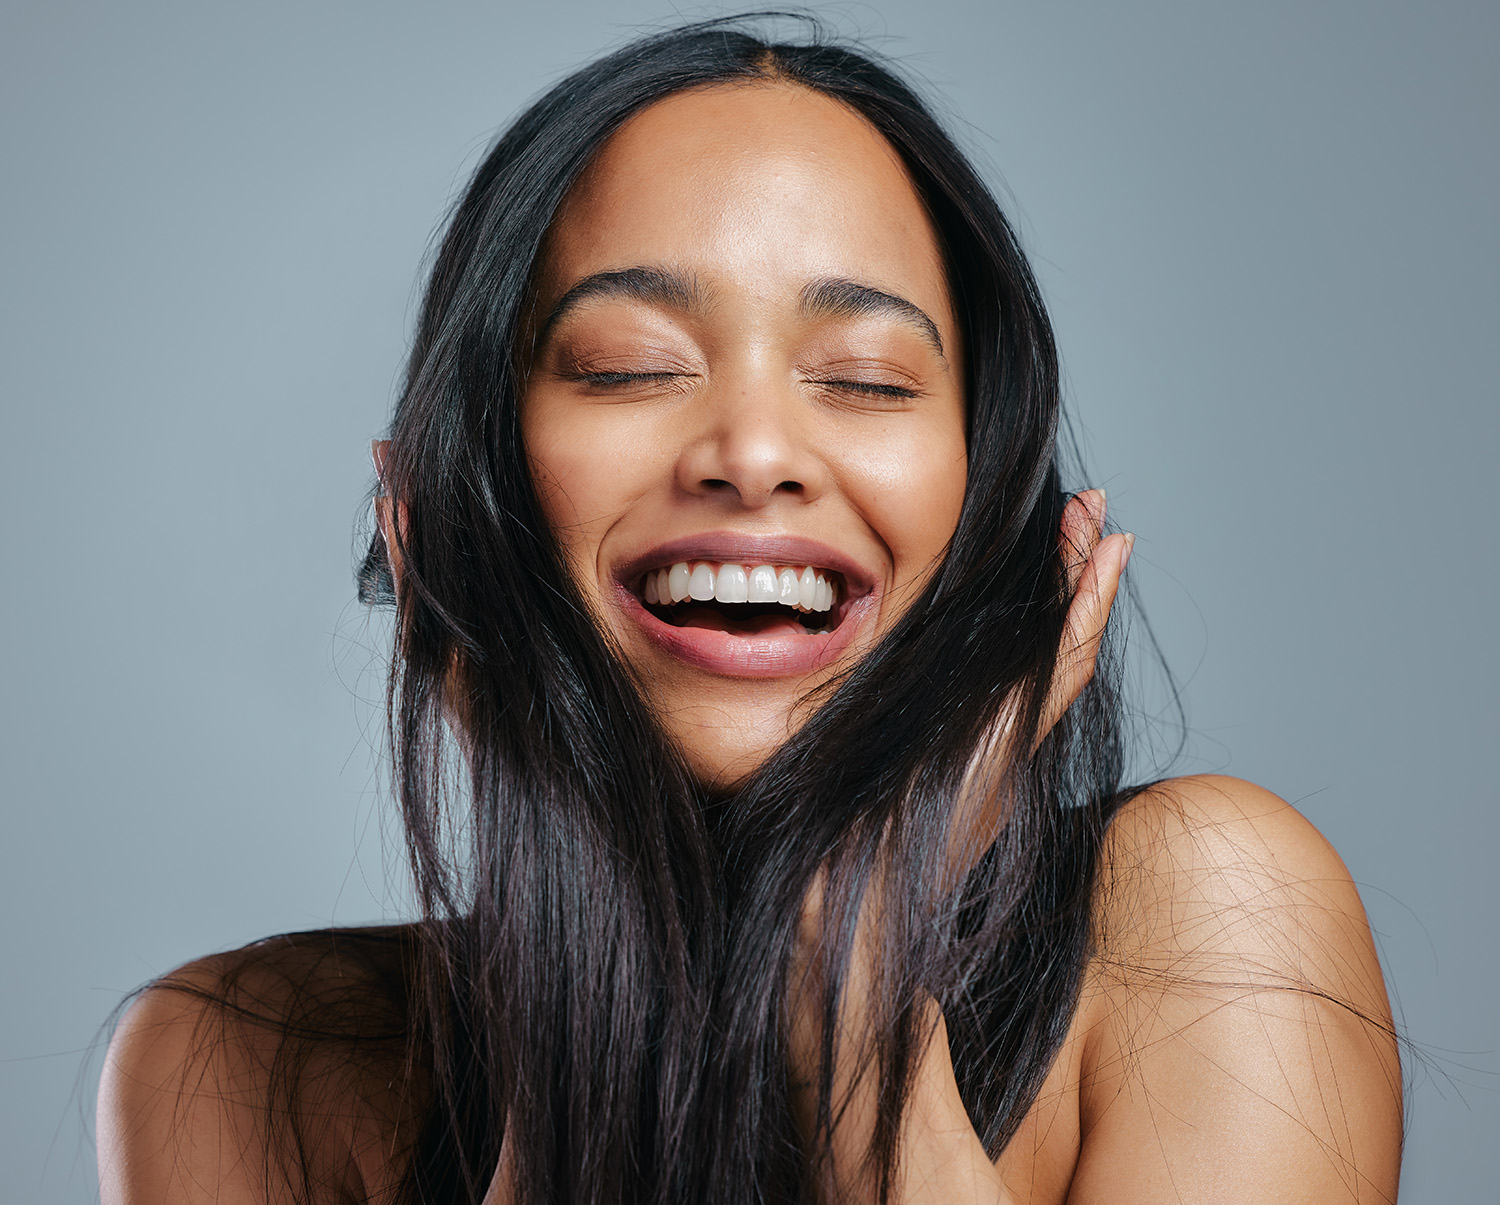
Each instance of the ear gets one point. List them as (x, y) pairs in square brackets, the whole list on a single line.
[(390, 513), (380, 451)]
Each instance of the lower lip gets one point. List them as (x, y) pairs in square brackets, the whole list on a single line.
[(738, 656)]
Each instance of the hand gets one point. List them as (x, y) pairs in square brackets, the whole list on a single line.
[(1093, 564)]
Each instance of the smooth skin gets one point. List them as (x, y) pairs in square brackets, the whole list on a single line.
[(734, 408), (1233, 1041)]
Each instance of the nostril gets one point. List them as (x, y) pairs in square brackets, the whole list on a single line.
[(749, 490)]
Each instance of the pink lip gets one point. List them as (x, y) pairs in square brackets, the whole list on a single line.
[(749, 656)]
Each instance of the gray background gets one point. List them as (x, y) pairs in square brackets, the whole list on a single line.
[(1267, 234)]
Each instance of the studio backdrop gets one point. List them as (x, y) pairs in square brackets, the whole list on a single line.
[(1267, 235)]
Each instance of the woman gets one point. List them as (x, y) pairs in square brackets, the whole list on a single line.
[(759, 758)]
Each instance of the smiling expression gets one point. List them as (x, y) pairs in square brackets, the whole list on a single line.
[(747, 377)]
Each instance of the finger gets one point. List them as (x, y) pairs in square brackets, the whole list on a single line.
[(1083, 631), (1094, 567), (1082, 525)]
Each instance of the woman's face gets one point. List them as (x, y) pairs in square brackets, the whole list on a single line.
[(747, 377)]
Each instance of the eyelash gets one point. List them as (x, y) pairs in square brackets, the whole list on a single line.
[(606, 380), (871, 388)]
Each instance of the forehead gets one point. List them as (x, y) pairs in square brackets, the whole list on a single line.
[(762, 186)]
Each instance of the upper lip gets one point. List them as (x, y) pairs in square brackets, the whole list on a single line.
[(738, 548)]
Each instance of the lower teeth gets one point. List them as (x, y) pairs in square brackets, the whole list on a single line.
[(731, 615)]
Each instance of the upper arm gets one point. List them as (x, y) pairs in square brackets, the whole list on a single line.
[(1242, 1048)]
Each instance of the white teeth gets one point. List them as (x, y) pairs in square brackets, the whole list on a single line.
[(787, 589), (733, 585), (763, 586), (807, 589), (701, 583)]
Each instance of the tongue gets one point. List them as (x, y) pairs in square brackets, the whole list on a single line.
[(748, 625)]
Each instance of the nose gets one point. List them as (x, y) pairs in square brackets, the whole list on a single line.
[(753, 446)]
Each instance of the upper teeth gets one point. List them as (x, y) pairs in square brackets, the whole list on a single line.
[(805, 590)]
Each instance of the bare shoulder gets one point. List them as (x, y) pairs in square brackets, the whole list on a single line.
[(1238, 1040), (267, 1074), (1210, 865)]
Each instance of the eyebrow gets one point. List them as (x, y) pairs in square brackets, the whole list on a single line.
[(833, 297), (656, 286), (848, 298)]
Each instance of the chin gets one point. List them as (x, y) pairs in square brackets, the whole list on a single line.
[(724, 746)]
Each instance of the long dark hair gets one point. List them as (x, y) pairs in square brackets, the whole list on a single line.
[(601, 973)]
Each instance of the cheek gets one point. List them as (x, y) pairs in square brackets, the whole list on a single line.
[(588, 468), (914, 491), (555, 475), (565, 470)]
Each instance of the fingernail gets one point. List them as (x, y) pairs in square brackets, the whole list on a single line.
[(1129, 547)]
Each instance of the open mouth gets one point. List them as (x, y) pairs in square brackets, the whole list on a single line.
[(745, 600)]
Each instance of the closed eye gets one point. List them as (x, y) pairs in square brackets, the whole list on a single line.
[(625, 378), (871, 388), (608, 380), (630, 386)]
